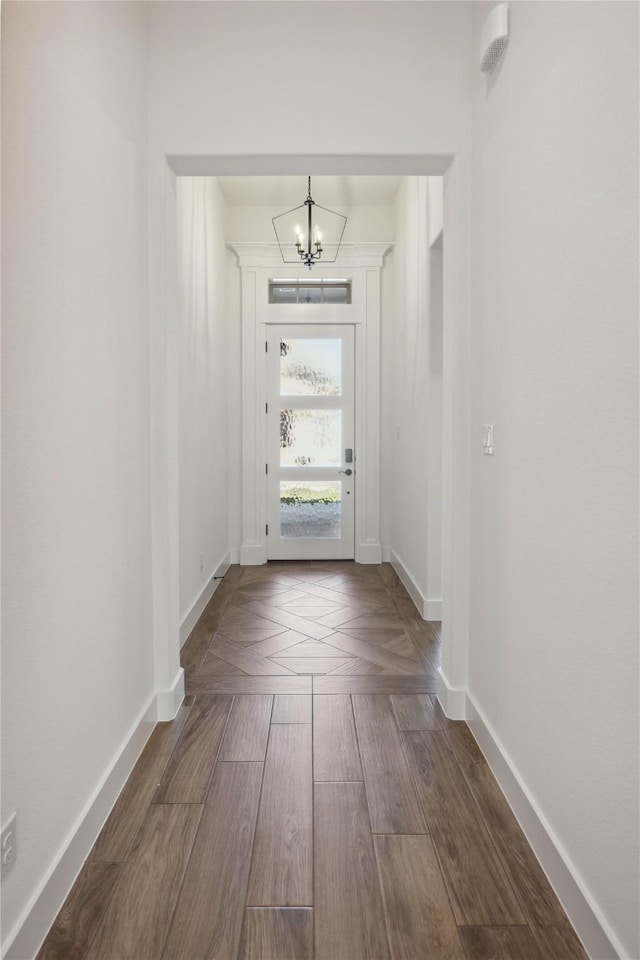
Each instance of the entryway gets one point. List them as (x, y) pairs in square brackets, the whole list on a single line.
[(310, 442)]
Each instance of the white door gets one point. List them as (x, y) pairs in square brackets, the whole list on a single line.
[(310, 440)]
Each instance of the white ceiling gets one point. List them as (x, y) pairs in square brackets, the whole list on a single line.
[(291, 191)]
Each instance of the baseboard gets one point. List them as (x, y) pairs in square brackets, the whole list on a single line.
[(28, 934), (234, 556), (453, 700), (428, 609), (196, 609), (369, 553), (432, 609), (253, 554), (598, 939), (407, 581), (386, 554), (168, 701)]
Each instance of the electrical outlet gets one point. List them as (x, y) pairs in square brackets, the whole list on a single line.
[(9, 846)]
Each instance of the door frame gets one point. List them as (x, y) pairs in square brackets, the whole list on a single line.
[(362, 265), (455, 165)]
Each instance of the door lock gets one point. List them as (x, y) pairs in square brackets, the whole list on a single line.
[(346, 472)]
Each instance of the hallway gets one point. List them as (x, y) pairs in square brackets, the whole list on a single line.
[(265, 823)]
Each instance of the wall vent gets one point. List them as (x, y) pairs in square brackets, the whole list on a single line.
[(494, 37)]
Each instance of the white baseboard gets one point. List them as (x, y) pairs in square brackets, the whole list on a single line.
[(168, 701), (197, 607), (407, 581), (595, 933), (428, 609), (368, 553), (432, 609), (453, 700), (597, 937), (223, 566), (386, 554), (234, 555), (252, 554), (28, 934)]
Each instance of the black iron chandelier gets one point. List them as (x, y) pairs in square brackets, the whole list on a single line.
[(323, 235)]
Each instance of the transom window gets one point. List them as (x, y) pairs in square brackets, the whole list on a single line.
[(310, 291)]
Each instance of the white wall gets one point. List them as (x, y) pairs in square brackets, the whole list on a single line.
[(76, 619), (413, 395), (203, 446), (395, 78), (554, 570)]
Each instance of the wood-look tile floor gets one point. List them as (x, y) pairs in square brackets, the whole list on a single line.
[(311, 800)]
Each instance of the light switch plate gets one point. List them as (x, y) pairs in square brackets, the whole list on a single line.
[(487, 442)]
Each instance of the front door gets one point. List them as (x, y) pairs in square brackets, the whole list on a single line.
[(310, 440)]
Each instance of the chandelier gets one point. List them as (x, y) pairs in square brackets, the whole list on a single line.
[(323, 236)]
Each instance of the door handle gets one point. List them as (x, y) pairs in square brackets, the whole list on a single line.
[(346, 472)]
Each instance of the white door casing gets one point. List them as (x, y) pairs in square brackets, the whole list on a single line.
[(361, 264), (310, 442)]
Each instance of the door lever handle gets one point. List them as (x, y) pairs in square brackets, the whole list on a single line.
[(346, 472)]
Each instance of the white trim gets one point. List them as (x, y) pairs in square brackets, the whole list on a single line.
[(196, 609), (429, 609), (361, 263), (234, 556), (432, 609), (598, 939), (168, 701), (253, 554), (368, 553), (453, 700), (28, 934), (223, 566), (323, 165), (267, 256), (386, 554), (407, 581)]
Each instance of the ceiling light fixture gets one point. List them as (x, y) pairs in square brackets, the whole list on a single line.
[(323, 232)]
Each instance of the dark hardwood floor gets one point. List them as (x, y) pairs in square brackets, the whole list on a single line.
[(311, 800)]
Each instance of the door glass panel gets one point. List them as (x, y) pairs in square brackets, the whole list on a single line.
[(310, 438), (310, 367), (312, 509)]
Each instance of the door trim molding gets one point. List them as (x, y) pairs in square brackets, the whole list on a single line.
[(362, 264)]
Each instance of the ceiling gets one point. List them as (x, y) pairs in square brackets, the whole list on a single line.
[(289, 192)]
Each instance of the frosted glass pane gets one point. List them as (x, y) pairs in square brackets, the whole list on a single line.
[(284, 294), (311, 509), (310, 438), (310, 295), (310, 367)]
